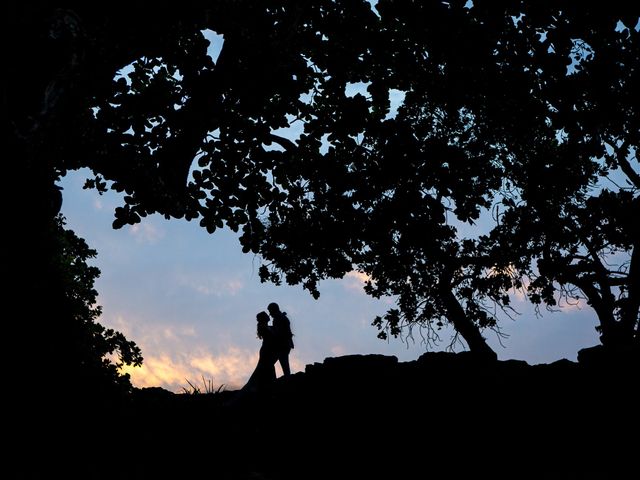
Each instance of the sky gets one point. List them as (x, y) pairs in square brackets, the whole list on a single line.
[(189, 300)]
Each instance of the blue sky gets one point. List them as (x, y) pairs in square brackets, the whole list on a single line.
[(189, 300)]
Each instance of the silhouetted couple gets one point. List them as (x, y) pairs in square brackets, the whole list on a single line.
[(277, 342)]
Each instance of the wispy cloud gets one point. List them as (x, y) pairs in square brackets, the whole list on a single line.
[(212, 285), (150, 335), (338, 350), (119, 322), (173, 333), (146, 233), (220, 288)]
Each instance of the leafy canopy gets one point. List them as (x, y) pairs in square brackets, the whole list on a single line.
[(511, 110)]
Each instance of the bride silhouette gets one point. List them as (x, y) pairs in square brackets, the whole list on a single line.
[(265, 372)]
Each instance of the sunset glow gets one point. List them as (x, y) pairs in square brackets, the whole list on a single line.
[(174, 372)]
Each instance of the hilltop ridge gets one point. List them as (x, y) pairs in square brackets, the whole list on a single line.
[(364, 415), (443, 415)]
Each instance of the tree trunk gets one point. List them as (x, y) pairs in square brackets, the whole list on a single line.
[(603, 309), (465, 327), (629, 325), (614, 333)]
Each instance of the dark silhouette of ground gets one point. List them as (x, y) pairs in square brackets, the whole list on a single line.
[(441, 416)]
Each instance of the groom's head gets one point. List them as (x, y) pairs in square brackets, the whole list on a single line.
[(273, 308)]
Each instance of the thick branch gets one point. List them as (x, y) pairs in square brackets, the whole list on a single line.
[(283, 142), (625, 166), (198, 116), (629, 171), (571, 272)]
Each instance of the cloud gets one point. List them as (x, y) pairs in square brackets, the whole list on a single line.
[(220, 288), (354, 280), (231, 368), (146, 233), (212, 285), (174, 371), (159, 371), (175, 333), (338, 350), (118, 322), (174, 356), (146, 335), (573, 305)]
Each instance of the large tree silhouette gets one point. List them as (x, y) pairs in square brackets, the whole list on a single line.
[(509, 108), (479, 128), (581, 198)]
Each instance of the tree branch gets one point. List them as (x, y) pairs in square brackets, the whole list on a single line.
[(283, 142), (625, 166)]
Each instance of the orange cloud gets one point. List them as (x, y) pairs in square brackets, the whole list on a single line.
[(173, 357), (231, 369)]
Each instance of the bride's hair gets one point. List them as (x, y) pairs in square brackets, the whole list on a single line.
[(263, 323)]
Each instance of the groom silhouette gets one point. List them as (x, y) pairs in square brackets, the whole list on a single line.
[(282, 335)]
